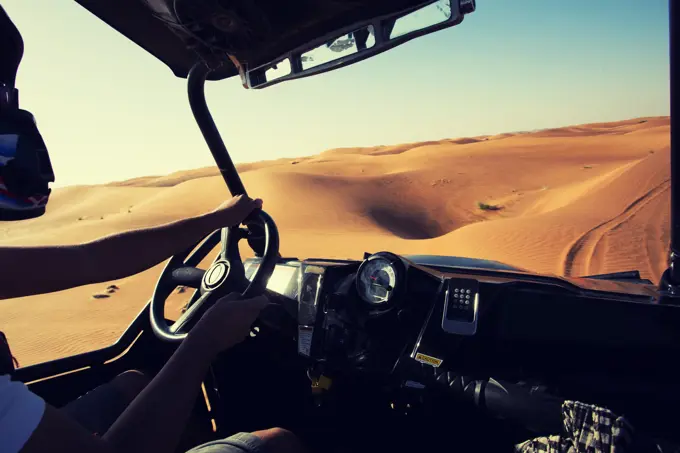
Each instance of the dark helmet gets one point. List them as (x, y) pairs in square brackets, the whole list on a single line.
[(25, 167)]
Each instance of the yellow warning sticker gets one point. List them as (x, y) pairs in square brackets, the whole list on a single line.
[(422, 358)]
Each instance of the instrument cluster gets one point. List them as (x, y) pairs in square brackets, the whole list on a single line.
[(380, 279), (358, 315)]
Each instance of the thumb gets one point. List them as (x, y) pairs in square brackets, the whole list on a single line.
[(244, 201)]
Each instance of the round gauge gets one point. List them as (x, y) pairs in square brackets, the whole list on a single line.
[(377, 280)]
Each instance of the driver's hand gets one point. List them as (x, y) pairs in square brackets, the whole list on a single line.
[(228, 322), (234, 211)]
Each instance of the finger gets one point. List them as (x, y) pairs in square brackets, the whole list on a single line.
[(260, 298), (244, 207), (236, 301), (258, 302), (237, 200), (253, 306), (248, 206), (253, 301), (230, 297)]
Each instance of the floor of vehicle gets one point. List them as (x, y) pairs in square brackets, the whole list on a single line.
[(269, 387)]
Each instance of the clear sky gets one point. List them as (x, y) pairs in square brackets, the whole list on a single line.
[(109, 111)]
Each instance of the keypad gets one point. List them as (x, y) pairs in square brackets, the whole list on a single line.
[(461, 300)]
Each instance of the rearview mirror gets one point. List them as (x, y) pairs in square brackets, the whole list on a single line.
[(338, 49), (359, 42)]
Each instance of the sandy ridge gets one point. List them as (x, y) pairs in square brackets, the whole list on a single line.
[(583, 249)]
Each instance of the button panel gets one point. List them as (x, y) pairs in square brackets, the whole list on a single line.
[(461, 305)]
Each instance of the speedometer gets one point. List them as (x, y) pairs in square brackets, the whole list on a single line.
[(378, 278)]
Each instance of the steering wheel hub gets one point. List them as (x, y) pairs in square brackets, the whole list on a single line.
[(216, 275)]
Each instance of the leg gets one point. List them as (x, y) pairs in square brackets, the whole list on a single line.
[(279, 440), (274, 440), (98, 409)]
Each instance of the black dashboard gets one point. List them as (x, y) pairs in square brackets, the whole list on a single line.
[(390, 316)]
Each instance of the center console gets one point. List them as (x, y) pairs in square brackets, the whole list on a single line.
[(310, 295), (360, 315)]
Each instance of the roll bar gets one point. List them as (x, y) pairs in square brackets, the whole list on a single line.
[(199, 107), (670, 281)]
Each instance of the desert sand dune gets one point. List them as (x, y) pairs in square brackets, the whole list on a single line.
[(574, 201)]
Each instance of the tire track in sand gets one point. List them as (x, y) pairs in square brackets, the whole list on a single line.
[(580, 252)]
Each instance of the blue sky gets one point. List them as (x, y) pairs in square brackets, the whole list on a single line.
[(110, 111)]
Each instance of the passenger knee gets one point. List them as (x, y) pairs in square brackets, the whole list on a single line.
[(273, 432), (280, 440)]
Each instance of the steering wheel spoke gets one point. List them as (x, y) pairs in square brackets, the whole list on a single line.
[(183, 268), (188, 276), (198, 307), (230, 238), (197, 252)]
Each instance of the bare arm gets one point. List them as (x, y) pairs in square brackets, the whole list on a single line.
[(155, 420), (111, 257)]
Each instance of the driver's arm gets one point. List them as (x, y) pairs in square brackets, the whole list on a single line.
[(111, 257), (155, 420)]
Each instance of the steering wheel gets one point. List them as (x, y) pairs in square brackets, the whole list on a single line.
[(225, 275)]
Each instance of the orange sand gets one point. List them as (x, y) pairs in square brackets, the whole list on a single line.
[(575, 201)]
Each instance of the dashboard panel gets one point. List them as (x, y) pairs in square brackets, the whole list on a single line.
[(389, 316), (284, 279), (350, 310)]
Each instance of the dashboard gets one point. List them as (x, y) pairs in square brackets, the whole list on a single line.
[(388, 318), (386, 312)]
